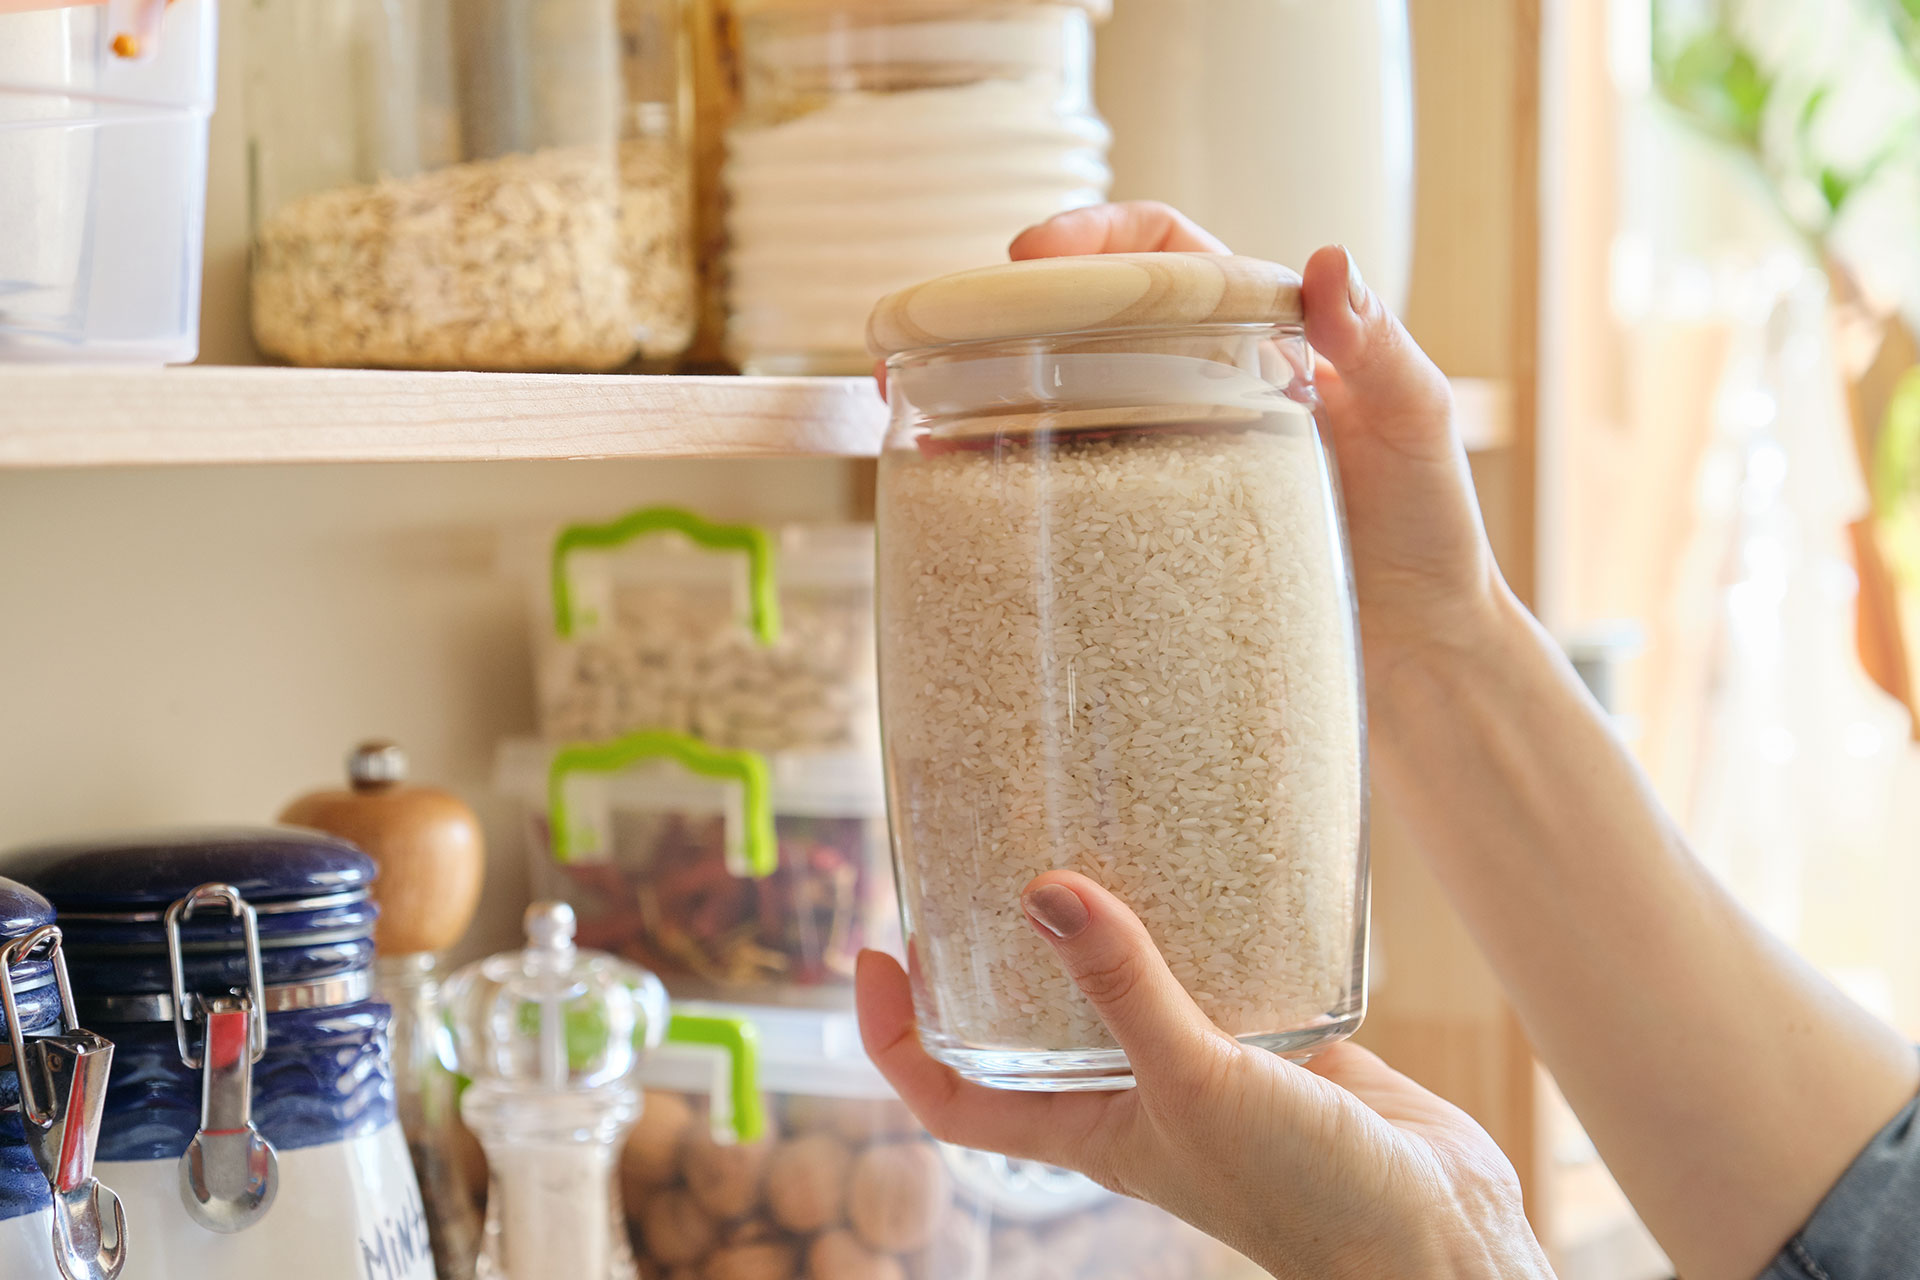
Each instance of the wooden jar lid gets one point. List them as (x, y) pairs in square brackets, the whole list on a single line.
[(1097, 293)]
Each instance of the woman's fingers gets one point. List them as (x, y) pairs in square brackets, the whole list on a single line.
[(1136, 226), (1055, 1128), (1107, 952), (1382, 380)]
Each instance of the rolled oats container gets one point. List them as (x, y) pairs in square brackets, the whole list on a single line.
[(249, 1125), (877, 143), (1117, 635), (508, 191)]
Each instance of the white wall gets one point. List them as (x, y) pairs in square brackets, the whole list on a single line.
[(202, 644)]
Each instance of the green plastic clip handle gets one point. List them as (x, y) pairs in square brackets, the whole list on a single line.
[(755, 542), (736, 1038), (748, 768)]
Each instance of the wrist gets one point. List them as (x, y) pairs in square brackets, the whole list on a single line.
[(1477, 634)]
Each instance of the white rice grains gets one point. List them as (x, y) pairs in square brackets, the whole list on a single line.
[(1134, 658)]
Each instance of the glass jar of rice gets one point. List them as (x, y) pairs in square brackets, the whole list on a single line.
[(1117, 635)]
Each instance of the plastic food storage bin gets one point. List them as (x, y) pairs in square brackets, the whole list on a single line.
[(510, 190), (741, 636), (1117, 635), (730, 875), (876, 145), (845, 1185), (103, 178)]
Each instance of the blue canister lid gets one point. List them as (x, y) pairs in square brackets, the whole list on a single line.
[(34, 993), (310, 893)]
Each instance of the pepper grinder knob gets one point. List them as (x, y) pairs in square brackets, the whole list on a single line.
[(376, 765)]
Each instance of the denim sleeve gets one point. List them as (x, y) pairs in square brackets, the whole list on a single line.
[(1868, 1227)]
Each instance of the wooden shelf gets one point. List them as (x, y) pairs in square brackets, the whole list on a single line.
[(96, 417), (78, 416)]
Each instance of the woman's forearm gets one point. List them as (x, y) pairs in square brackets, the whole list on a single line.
[(1726, 1084)]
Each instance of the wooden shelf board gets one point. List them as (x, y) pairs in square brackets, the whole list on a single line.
[(78, 416)]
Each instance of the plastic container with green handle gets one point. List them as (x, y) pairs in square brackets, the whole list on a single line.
[(739, 635), (659, 859), (847, 1183)]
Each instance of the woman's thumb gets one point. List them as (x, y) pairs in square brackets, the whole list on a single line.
[(1382, 381), (1108, 954)]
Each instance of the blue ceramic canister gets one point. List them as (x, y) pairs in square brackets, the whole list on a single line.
[(249, 1127), (56, 1222)]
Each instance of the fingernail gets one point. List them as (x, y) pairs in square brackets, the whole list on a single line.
[(1057, 909), (1356, 287)]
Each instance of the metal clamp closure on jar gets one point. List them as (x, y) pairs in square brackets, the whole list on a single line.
[(63, 1089), (229, 1172)]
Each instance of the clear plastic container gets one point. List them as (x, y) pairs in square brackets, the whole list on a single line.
[(740, 636), (103, 178), (1117, 635), (880, 144), (511, 190), (845, 1185), (761, 884)]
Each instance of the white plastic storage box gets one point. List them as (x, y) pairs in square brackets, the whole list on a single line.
[(103, 176), (845, 1185), (741, 636), (759, 879)]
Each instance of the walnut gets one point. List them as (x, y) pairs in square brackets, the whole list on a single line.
[(807, 1182), (959, 1245), (1017, 1255), (725, 1178), (675, 1229), (896, 1195), (653, 1148), (839, 1255), (858, 1120), (769, 1261)]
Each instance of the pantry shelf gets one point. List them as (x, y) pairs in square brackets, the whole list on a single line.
[(96, 417), (78, 417)]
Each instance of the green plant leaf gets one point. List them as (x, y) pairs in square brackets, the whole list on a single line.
[(1717, 80), (1896, 478), (1835, 187)]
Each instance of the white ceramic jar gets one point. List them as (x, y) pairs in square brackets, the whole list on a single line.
[(253, 1135)]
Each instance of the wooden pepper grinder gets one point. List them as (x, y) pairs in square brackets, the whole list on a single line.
[(432, 859)]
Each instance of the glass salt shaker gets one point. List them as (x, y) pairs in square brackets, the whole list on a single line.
[(550, 1037)]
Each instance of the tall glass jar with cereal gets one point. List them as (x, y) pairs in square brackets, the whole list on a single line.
[(470, 184)]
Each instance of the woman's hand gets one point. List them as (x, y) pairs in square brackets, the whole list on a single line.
[(1424, 573), (1340, 1168)]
